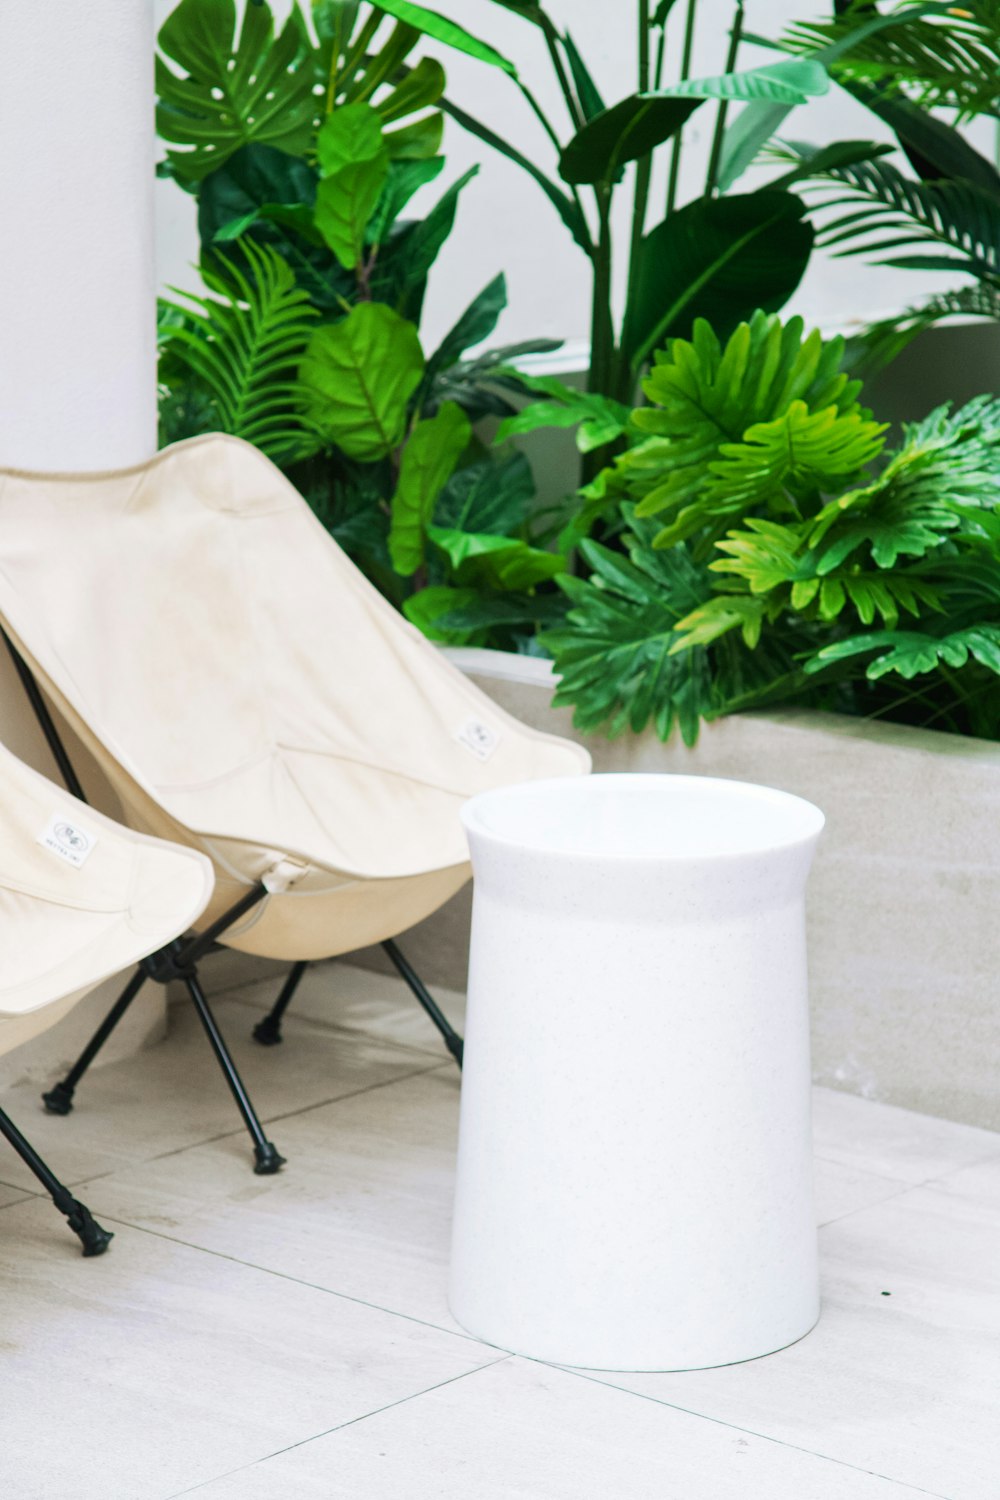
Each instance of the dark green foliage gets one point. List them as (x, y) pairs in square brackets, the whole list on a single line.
[(306, 341)]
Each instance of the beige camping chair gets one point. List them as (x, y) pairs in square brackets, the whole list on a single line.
[(81, 899), (247, 692)]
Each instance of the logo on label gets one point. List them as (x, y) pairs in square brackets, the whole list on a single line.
[(71, 842), (479, 738)]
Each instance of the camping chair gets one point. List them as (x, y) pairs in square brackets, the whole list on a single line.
[(81, 898), (248, 693)]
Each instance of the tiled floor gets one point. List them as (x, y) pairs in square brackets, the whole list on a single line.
[(287, 1338)]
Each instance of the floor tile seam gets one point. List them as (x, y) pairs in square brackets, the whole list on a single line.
[(369, 1088), (852, 1213), (853, 1165), (340, 1427), (332, 1026), (314, 1286), (766, 1437), (942, 1177), (27, 1196), (238, 1130)]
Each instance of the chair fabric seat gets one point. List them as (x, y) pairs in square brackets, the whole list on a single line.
[(249, 693), (81, 899)]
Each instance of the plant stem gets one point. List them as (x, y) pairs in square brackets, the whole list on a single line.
[(552, 42), (675, 158), (643, 174), (549, 129), (644, 167), (661, 52), (601, 329), (720, 117)]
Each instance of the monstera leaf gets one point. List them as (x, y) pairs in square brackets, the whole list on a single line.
[(232, 89)]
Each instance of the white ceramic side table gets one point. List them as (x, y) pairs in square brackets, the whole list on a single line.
[(634, 1175)]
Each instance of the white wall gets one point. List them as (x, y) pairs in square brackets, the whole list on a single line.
[(77, 294), (504, 221)]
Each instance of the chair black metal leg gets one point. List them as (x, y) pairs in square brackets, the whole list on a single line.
[(266, 1157), (59, 1099), (452, 1040), (268, 1031), (94, 1239)]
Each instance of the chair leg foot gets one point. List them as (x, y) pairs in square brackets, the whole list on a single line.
[(267, 1033), (456, 1047), (93, 1237), (267, 1160), (58, 1100)]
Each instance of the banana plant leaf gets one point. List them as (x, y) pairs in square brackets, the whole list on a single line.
[(719, 259)]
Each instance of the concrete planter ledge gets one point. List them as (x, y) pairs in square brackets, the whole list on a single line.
[(904, 898)]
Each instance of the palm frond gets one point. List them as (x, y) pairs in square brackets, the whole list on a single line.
[(244, 346), (942, 56), (883, 341), (871, 208)]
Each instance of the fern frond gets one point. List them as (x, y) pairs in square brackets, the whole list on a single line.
[(947, 57), (245, 344)]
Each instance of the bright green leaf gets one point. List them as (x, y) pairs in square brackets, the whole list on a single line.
[(357, 380), (449, 32), (429, 458)]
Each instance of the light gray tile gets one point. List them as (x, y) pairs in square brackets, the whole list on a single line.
[(10, 1194), (174, 1095), (363, 1206), (892, 1142), (517, 1431), (844, 1190), (906, 1385), (356, 999), (156, 1367)]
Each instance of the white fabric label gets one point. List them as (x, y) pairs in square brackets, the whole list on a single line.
[(71, 842), (479, 738)]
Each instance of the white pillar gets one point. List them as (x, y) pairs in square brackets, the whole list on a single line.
[(77, 278)]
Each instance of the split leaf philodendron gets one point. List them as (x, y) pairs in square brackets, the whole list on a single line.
[(776, 553)]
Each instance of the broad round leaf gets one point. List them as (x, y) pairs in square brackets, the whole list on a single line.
[(357, 379)]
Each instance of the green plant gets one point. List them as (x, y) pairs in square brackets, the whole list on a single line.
[(307, 339), (910, 64), (723, 256), (791, 559)]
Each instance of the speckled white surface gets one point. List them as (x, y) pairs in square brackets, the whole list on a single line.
[(634, 1174)]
